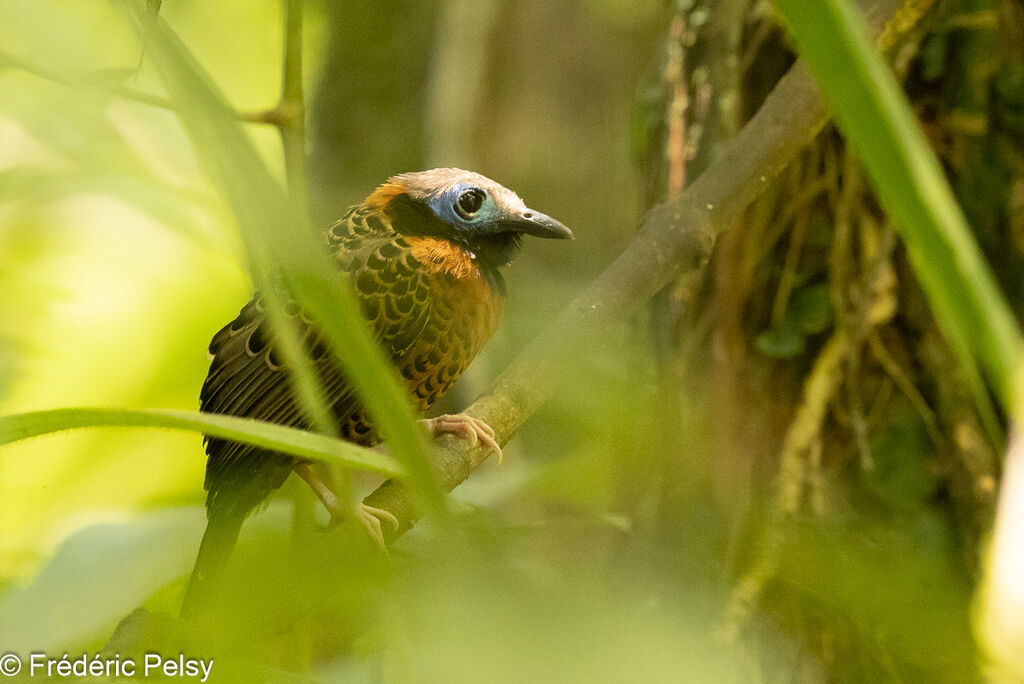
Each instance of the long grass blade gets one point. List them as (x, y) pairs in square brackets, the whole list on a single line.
[(267, 435)]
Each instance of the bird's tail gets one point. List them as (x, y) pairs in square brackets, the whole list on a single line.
[(211, 562)]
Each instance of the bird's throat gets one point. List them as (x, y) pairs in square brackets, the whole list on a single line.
[(451, 248)]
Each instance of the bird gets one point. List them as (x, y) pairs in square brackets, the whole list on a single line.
[(423, 254)]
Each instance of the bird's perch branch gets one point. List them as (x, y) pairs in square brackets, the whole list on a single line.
[(674, 238)]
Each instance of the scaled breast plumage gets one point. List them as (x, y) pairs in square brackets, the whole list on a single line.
[(426, 298)]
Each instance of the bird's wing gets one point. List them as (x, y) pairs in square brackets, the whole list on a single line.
[(248, 376), (393, 290)]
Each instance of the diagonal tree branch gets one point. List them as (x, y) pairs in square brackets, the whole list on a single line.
[(674, 238)]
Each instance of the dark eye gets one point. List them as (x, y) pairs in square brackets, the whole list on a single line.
[(469, 202)]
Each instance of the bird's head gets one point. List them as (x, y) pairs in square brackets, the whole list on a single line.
[(464, 207)]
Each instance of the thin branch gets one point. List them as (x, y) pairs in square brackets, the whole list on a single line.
[(675, 237), (291, 109), (272, 117)]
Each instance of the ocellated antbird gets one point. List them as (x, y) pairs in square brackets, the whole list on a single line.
[(423, 253)]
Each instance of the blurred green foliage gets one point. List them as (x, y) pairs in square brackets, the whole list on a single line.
[(809, 313), (604, 548)]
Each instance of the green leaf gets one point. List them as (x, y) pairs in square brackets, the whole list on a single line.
[(874, 115), (783, 341), (811, 309), (268, 435), (901, 472), (283, 250), (934, 53)]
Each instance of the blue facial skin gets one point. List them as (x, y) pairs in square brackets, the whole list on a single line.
[(485, 220)]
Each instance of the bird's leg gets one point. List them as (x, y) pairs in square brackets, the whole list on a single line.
[(466, 426), (368, 516)]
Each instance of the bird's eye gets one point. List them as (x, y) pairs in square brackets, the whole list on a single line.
[(469, 202)]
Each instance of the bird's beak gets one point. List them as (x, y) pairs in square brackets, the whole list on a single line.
[(535, 223)]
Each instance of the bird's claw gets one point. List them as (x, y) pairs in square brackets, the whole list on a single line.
[(463, 425), (368, 516), (371, 518)]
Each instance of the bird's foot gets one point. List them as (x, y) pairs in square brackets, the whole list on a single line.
[(371, 518), (368, 516), (473, 430)]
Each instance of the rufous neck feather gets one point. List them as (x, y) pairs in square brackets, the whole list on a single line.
[(382, 196)]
